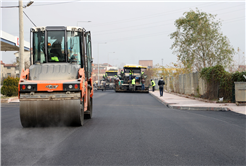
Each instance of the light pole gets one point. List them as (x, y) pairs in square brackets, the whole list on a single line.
[(113, 61), (21, 34), (108, 56), (98, 61), (81, 21)]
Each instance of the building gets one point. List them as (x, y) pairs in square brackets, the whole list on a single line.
[(26, 61), (10, 42), (242, 68), (7, 70), (148, 63), (102, 70)]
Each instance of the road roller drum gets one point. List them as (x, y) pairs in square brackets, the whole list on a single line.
[(51, 113)]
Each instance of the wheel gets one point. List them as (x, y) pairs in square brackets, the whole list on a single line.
[(88, 113), (82, 114)]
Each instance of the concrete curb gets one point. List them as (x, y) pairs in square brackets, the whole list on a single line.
[(224, 109), (4, 100), (13, 100)]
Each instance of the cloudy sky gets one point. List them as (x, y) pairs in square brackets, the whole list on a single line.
[(132, 30)]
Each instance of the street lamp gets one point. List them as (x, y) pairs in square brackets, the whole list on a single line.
[(108, 56), (98, 61), (81, 21), (113, 61), (21, 34), (29, 4)]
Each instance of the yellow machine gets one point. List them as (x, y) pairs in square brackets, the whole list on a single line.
[(125, 82), (108, 83)]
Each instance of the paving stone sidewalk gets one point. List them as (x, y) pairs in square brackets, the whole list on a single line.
[(182, 102)]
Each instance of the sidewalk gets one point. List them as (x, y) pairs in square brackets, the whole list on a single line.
[(14, 100), (185, 103)]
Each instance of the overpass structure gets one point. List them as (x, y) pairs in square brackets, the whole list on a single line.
[(11, 43)]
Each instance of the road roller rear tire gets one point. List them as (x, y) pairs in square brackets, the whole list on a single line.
[(82, 113), (89, 114)]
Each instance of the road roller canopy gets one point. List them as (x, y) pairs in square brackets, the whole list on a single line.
[(56, 44)]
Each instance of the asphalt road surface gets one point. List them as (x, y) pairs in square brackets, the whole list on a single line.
[(127, 129)]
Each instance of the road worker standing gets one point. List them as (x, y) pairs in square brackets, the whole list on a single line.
[(133, 83), (153, 85)]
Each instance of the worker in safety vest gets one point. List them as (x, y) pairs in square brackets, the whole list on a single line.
[(153, 85), (142, 75), (130, 74), (55, 58), (121, 74), (133, 83), (56, 49)]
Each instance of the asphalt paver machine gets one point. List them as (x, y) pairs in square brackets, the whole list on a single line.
[(112, 75), (57, 89), (124, 84)]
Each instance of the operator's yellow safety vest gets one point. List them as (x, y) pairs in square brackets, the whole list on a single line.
[(142, 73), (55, 59), (133, 81), (115, 76), (153, 82)]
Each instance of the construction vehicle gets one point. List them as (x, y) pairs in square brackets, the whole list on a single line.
[(57, 89), (102, 85), (108, 82), (125, 82), (112, 75)]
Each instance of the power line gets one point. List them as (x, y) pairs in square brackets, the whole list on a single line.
[(56, 3), (146, 17), (9, 6), (42, 4), (156, 22), (142, 36), (29, 18)]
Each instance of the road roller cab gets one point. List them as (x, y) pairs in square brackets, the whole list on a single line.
[(57, 89)]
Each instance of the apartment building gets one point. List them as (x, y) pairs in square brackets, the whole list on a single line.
[(7, 70), (147, 63), (102, 70)]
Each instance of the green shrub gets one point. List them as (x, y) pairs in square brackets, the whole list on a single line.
[(220, 83), (238, 76), (10, 86)]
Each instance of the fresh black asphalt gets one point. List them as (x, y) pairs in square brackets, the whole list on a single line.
[(127, 129)]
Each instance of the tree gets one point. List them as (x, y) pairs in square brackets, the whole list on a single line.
[(10, 86), (199, 43)]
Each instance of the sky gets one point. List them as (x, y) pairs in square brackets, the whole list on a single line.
[(124, 32)]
